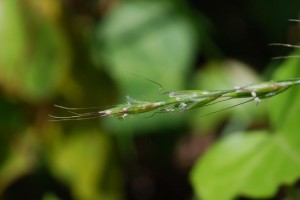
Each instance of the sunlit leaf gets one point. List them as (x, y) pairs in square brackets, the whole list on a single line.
[(252, 164)]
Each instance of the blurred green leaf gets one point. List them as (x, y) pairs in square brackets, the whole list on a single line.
[(152, 39), (20, 159), (157, 42), (82, 160), (282, 105), (37, 54)]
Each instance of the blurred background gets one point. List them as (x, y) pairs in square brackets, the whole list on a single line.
[(78, 53)]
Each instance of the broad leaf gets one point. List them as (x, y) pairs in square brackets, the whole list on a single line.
[(249, 164)]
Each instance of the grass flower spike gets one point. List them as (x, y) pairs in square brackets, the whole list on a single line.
[(181, 101)]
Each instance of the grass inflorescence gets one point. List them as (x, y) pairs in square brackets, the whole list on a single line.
[(181, 101)]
